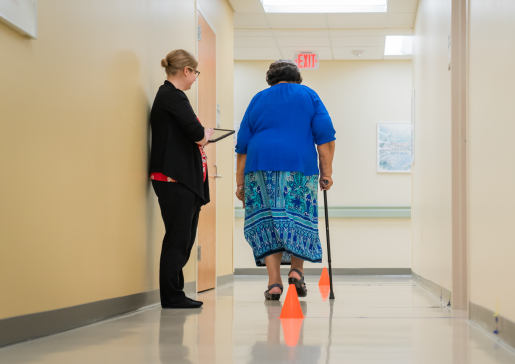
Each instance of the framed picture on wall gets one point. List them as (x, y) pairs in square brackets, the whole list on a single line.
[(394, 148), (20, 15)]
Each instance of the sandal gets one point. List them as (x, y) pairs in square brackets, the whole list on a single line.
[(273, 296), (300, 286)]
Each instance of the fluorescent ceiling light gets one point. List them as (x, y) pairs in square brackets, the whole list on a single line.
[(398, 45), (324, 6)]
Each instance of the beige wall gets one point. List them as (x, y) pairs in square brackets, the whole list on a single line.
[(431, 210), (358, 95), (491, 178), (78, 220)]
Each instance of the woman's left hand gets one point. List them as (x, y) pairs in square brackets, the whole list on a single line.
[(240, 194), (323, 185)]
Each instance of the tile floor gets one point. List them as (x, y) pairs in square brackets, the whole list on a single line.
[(373, 320)]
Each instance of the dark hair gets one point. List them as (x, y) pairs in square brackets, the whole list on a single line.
[(283, 70)]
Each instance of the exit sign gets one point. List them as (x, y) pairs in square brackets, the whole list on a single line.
[(307, 60)]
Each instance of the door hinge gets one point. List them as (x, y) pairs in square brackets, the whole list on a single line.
[(199, 253), (199, 33)]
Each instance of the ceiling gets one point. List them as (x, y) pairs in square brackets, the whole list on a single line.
[(269, 36)]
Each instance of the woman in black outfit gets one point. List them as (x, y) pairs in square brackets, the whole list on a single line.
[(178, 171)]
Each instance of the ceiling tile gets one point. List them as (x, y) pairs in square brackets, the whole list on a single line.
[(247, 6), (401, 19), (250, 21), (297, 20), (357, 41), (402, 6), (253, 33), (303, 41), (250, 53), (357, 32), (363, 20), (346, 53), (254, 42), (301, 33), (323, 52)]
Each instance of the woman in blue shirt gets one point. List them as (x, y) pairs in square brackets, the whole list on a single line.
[(278, 175)]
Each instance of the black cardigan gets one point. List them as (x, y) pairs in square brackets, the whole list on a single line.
[(175, 129)]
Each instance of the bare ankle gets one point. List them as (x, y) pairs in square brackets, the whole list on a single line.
[(275, 290), (294, 274)]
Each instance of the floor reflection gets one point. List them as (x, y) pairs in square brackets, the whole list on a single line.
[(172, 345), (276, 349), (330, 339)]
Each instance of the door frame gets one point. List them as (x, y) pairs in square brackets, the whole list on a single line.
[(459, 157), (199, 9)]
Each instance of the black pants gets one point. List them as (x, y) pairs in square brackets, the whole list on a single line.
[(180, 209)]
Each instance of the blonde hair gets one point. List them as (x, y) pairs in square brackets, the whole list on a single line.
[(178, 59)]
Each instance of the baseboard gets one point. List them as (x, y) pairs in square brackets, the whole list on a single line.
[(226, 279), (336, 271), (27, 327), (485, 318), (438, 291)]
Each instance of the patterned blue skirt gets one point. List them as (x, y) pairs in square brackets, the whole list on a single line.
[(281, 215)]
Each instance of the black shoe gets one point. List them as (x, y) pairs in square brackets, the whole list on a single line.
[(300, 286), (192, 300), (273, 296), (185, 303)]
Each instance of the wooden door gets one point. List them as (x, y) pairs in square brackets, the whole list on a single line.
[(206, 273)]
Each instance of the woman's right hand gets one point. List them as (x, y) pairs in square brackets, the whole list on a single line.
[(209, 134)]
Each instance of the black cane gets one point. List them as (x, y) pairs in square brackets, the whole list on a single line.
[(331, 296)]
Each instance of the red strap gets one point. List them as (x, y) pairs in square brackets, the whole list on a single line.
[(161, 177)]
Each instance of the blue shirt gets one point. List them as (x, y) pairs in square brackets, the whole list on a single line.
[(280, 128)]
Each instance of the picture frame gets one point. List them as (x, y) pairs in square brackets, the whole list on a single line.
[(394, 147)]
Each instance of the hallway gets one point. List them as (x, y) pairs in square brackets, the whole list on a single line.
[(374, 319)]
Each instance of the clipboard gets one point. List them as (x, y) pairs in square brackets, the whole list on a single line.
[(220, 134)]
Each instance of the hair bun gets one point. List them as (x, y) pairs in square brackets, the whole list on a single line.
[(164, 63)]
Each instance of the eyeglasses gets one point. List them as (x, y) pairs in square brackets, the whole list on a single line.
[(197, 73)]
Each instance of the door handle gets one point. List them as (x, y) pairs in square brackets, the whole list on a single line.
[(216, 173)]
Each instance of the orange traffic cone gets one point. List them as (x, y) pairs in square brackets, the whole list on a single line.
[(324, 278), (291, 306), (291, 331)]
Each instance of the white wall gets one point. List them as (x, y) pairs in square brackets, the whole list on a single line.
[(358, 95), (491, 166), (355, 243), (431, 210)]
